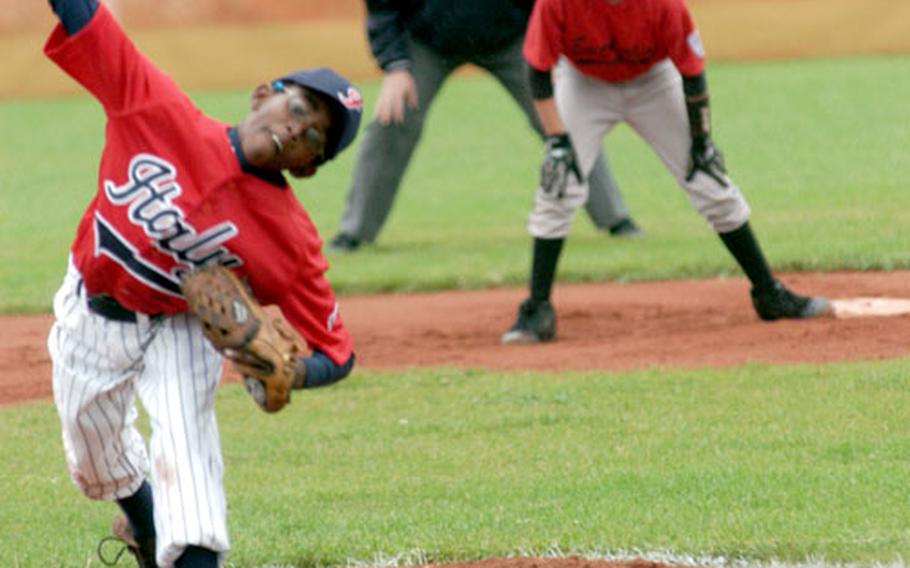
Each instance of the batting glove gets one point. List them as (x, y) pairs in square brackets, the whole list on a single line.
[(559, 161), (706, 158)]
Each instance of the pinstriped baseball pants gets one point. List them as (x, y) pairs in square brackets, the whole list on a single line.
[(99, 366)]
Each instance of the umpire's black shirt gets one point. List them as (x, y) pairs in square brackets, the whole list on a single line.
[(458, 29)]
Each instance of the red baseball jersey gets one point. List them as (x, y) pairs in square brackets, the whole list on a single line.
[(172, 195), (613, 42)]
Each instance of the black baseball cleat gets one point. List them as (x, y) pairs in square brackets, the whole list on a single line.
[(536, 322), (343, 242), (778, 302), (123, 536), (627, 228)]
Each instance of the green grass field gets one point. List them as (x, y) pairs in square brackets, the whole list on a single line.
[(760, 463), (757, 462), (818, 146)]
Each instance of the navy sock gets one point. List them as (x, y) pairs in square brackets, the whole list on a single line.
[(744, 247), (139, 511), (543, 267), (197, 557)]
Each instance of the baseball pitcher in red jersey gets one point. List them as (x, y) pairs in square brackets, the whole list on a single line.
[(178, 190), (593, 64)]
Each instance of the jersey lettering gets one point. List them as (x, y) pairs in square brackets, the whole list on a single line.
[(112, 244), (150, 191), (609, 51)]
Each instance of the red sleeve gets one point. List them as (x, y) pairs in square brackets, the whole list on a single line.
[(310, 306), (682, 39), (101, 58), (312, 309), (543, 38)]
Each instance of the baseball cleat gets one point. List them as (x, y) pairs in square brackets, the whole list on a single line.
[(536, 322), (123, 535), (343, 242), (626, 228), (778, 302)]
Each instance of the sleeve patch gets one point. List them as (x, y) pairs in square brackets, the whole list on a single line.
[(694, 41), (330, 321)]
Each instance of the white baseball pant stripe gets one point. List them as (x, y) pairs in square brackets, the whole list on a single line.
[(99, 366), (654, 106)]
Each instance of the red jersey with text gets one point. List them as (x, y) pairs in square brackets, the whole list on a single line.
[(613, 42), (172, 195)]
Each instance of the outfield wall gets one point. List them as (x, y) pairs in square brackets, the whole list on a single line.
[(238, 43)]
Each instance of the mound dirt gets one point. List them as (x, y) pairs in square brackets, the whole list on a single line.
[(606, 326)]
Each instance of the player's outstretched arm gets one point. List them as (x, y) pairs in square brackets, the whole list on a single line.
[(541, 83), (321, 371), (559, 158), (74, 14), (91, 47), (704, 156)]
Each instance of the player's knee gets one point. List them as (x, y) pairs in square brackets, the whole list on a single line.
[(547, 225), (726, 217), (91, 485)]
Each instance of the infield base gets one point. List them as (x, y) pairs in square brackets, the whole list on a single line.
[(870, 307)]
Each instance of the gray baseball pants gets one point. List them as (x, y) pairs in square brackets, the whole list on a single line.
[(654, 106)]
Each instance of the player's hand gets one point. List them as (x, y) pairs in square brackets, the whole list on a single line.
[(706, 158), (559, 161), (398, 89)]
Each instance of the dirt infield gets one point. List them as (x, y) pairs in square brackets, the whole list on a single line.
[(601, 327)]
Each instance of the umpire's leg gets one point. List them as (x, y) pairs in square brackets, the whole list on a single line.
[(385, 151)]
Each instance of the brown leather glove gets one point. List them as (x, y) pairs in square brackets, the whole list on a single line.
[(264, 348)]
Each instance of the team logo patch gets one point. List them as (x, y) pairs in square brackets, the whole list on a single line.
[(351, 99), (694, 41), (240, 312), (330, 321)]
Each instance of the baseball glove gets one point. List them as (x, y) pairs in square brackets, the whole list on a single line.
[(264, 348)]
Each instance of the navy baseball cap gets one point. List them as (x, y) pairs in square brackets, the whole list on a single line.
[(346, 104)]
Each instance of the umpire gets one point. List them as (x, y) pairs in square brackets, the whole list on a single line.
[(418, 44)]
